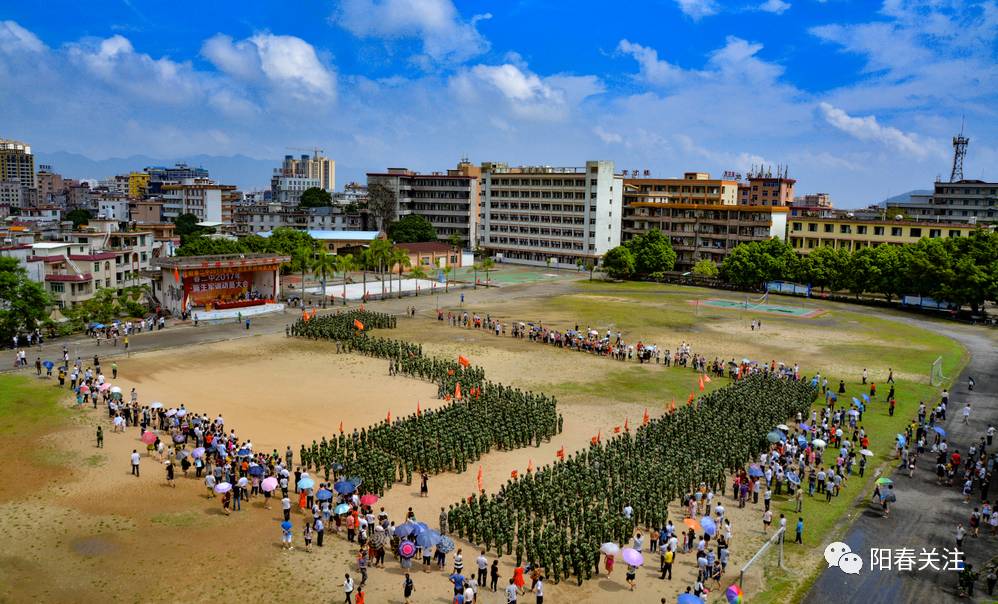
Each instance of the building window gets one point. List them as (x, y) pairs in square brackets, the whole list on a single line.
[(879, 231), (954, 233), (57, 288), (845, 228), (829, 228), (812, 227), (916, 232), (895, 231), (798, 226), (96, 267), (861, 229), (933, 233)]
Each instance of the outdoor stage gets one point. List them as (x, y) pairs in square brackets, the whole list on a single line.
[(219, 286)]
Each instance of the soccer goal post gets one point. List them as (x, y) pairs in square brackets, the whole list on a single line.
[(936, 375)]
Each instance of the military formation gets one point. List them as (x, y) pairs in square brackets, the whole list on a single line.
[(477, 416), (558, 517)]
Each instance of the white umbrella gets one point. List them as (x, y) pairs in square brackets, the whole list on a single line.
[(115, 390), (866, 452), (171, 412), (782, 427), (610, 549), (838, 432), (242, 482), (818, 443), (181, 412), (156, 405)]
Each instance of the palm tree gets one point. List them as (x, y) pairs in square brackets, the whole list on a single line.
[(447, 271), (325, 262), (365, 263), (487, 265), (301, 260), (418, 273), (381, 251), (347, 263), (400, 258), (474, 269)]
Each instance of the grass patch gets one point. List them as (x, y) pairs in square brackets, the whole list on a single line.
[(635, 383), (95, 461), (29, 404)]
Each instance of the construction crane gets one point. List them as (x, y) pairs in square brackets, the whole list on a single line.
[(315, 150)]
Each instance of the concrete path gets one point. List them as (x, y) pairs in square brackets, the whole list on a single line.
[(926, 515)]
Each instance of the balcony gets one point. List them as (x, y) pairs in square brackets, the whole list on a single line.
[(64, 278)]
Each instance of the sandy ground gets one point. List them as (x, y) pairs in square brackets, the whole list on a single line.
[(102, 534)]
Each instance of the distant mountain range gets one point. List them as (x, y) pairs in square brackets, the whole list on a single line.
[(247, 173), (904, 197)]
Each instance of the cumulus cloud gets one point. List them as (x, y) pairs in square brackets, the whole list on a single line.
[(606, 136), (698, 9), (652, 69), (445, 35), (738, 60), (285, 61), (14, 38), (774, 6), (869, 129), (525, 93)]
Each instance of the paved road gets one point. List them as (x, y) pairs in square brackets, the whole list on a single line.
[(925, 515)]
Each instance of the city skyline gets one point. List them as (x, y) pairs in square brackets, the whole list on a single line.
[(860, 101)]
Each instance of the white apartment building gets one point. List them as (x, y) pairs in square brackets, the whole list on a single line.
[(202, 197), (113, 209), (314, 167), (542, 215), (287, 190)]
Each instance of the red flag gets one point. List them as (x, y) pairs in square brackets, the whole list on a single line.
[(701, 382), (176, 275), (594, 440), (616, 429), (512, 474), (530, 466), (446, 397), (358, 324), (463, 361), (450, 372), (418, 411), (561, 453), (626, 428), (689, 401), (706, 378), (480, 479), (644, 420), (389, 418), (457, 391), (341, 427), (599, 436), (672, 406)]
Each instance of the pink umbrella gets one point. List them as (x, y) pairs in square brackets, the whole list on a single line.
[(269, 484), (369, 499), (103, 387), (632, 556), (148, 437), (85, 389)]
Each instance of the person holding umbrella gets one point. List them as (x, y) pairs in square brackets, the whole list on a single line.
[(169, 474), (286, 535)]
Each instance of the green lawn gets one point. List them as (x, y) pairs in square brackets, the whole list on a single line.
[(28, 403)]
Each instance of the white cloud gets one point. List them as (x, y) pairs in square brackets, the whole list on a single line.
[(285, 61), (525, 93), (869, 129), (445, 35), (774, 6), (606, 136), (698, 9), (114, 61), (652, 69), (15, 38)]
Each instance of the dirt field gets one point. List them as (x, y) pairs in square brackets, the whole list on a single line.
[(95, 533)]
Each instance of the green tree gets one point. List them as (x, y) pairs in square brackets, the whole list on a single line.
[(412, 229), (286, 241), (455, 240), (346, 263), (79, 217), (314, 197), (400, 259), (487, 265), (22, 301), (382, 204), (199, 245), (618, 263), (323, 263), (706, 268), (864, 272), (301, 260), (380, 252), (743, 267), (652, 252), (891, 262)]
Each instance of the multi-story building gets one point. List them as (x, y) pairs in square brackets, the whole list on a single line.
[(765, 189), (812, 204), (160, 175), (257, 218), (138, 185), (315, 167), (17, 163), (71, 272), (450, 201), (113, 208), (14, 196), (115, 185), (147, 211), (698, 231), (851, 233), (287, 190), (692, 188), (353, 193), (51, 186), (550, 216), (202, 197), (131, 251), (961, 201)]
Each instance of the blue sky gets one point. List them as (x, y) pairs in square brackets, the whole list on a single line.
[(859, 98)]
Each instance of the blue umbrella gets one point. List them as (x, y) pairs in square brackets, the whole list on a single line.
[(341, 509), (708, 525), (421, 528), (256, 471), (344, 487), (48, 364), (792, 477), (306, 483), (220, 448), (866, 397), (901, 439), (939, 431), (688, 599), (856, 402), (446, 545), (243, 452), (801, 440), (285, 525), (98, 326), (405, 529), (324, 495), (755, 471), (427, 539), (805, 427)]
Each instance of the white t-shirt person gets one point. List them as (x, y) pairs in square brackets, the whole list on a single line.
[(511, 592)]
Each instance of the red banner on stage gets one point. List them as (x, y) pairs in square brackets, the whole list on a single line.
[(206, 289)]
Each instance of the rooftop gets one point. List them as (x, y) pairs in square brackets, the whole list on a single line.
[(425, 246), (220, 260)]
